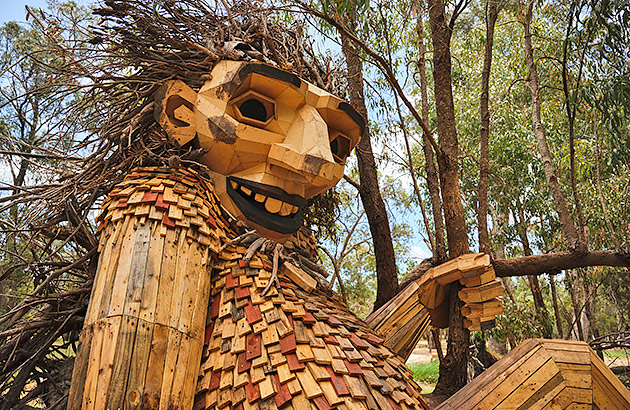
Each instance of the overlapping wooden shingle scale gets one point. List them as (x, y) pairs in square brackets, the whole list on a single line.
[(292, 348), (171, 198)]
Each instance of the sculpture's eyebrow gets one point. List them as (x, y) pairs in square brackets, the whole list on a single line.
[(270, 72), (354, 114), (284, 76)]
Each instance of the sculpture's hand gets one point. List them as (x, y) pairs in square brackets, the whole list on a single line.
[(479, 293)]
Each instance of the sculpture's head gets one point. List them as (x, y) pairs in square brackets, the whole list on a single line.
[(273, 140)]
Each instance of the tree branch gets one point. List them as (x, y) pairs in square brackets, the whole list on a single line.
[(553, 263), (379, 61)]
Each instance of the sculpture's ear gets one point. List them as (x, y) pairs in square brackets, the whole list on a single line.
[(175, 110)]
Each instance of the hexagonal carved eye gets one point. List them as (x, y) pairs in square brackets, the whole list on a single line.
[(253, 108), (339, 146)]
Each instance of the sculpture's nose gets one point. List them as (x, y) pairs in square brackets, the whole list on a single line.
[(306, 149)]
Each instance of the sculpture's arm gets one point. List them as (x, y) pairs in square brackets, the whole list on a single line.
[(143, 334), (403, 320)]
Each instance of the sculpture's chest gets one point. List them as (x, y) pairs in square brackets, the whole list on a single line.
[(294, 346)]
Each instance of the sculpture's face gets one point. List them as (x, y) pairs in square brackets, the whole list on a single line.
[(273, 140)]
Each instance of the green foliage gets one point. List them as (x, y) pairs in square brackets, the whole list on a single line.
[(425, 372)]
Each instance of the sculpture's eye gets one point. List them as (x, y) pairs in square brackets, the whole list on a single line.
[(339, 146), (253, 108)]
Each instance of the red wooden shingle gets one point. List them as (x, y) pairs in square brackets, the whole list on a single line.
[(338, 383), (242, 363), (214, 307), (308, 319), (200, 402), (375, 340), (168, 221), (252, 312), (283, 394), (149, 197), (215, 380), (333, 321), (331, 340), (241, 292), (287, 344), (252, 392), (353, 368), (294, 364), (160, 204), (358, 342), (208, 334), (230, 281), (252, 345), (321, 403)]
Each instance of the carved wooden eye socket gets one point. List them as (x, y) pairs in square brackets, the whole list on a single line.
[(254, 109), (340, 147)]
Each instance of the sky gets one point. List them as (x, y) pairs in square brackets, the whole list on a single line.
[(14, 9)]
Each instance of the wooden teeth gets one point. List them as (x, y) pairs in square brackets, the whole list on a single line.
[(272, 205)]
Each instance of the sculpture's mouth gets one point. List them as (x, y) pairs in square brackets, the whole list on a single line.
[(266, 205)]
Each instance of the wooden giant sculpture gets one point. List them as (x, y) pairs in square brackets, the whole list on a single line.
[(182, 313)]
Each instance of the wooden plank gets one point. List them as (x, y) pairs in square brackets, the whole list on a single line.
[(155, 366), (94, 357), (131, 244), (511, 370), (138, 365), (149, 298), (180, 285), (121, 244), (138, 271), (385, 311), (167, 278), (79, 373), (110, 338), (533, 389), (545, 395), (122, 350), (181, 376), (481, 293), (106, 262), (607, 385), (170, 361)]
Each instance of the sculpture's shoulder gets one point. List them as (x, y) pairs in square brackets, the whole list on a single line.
[(295, 345), (171, 199)]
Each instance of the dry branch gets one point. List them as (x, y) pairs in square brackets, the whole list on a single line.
[(106, 77)]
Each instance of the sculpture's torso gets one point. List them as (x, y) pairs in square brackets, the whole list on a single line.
[(177, 316), (296, 345)]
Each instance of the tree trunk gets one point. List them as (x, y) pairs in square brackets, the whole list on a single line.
[(448, 161), (575, 302), (386, 270), (453, 369), (589, 305), (492, 12), (556, 310), (534, 284), (439, 251), (568, 228), (598, 179)]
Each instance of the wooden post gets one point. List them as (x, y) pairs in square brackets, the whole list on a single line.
[(142, 339)]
